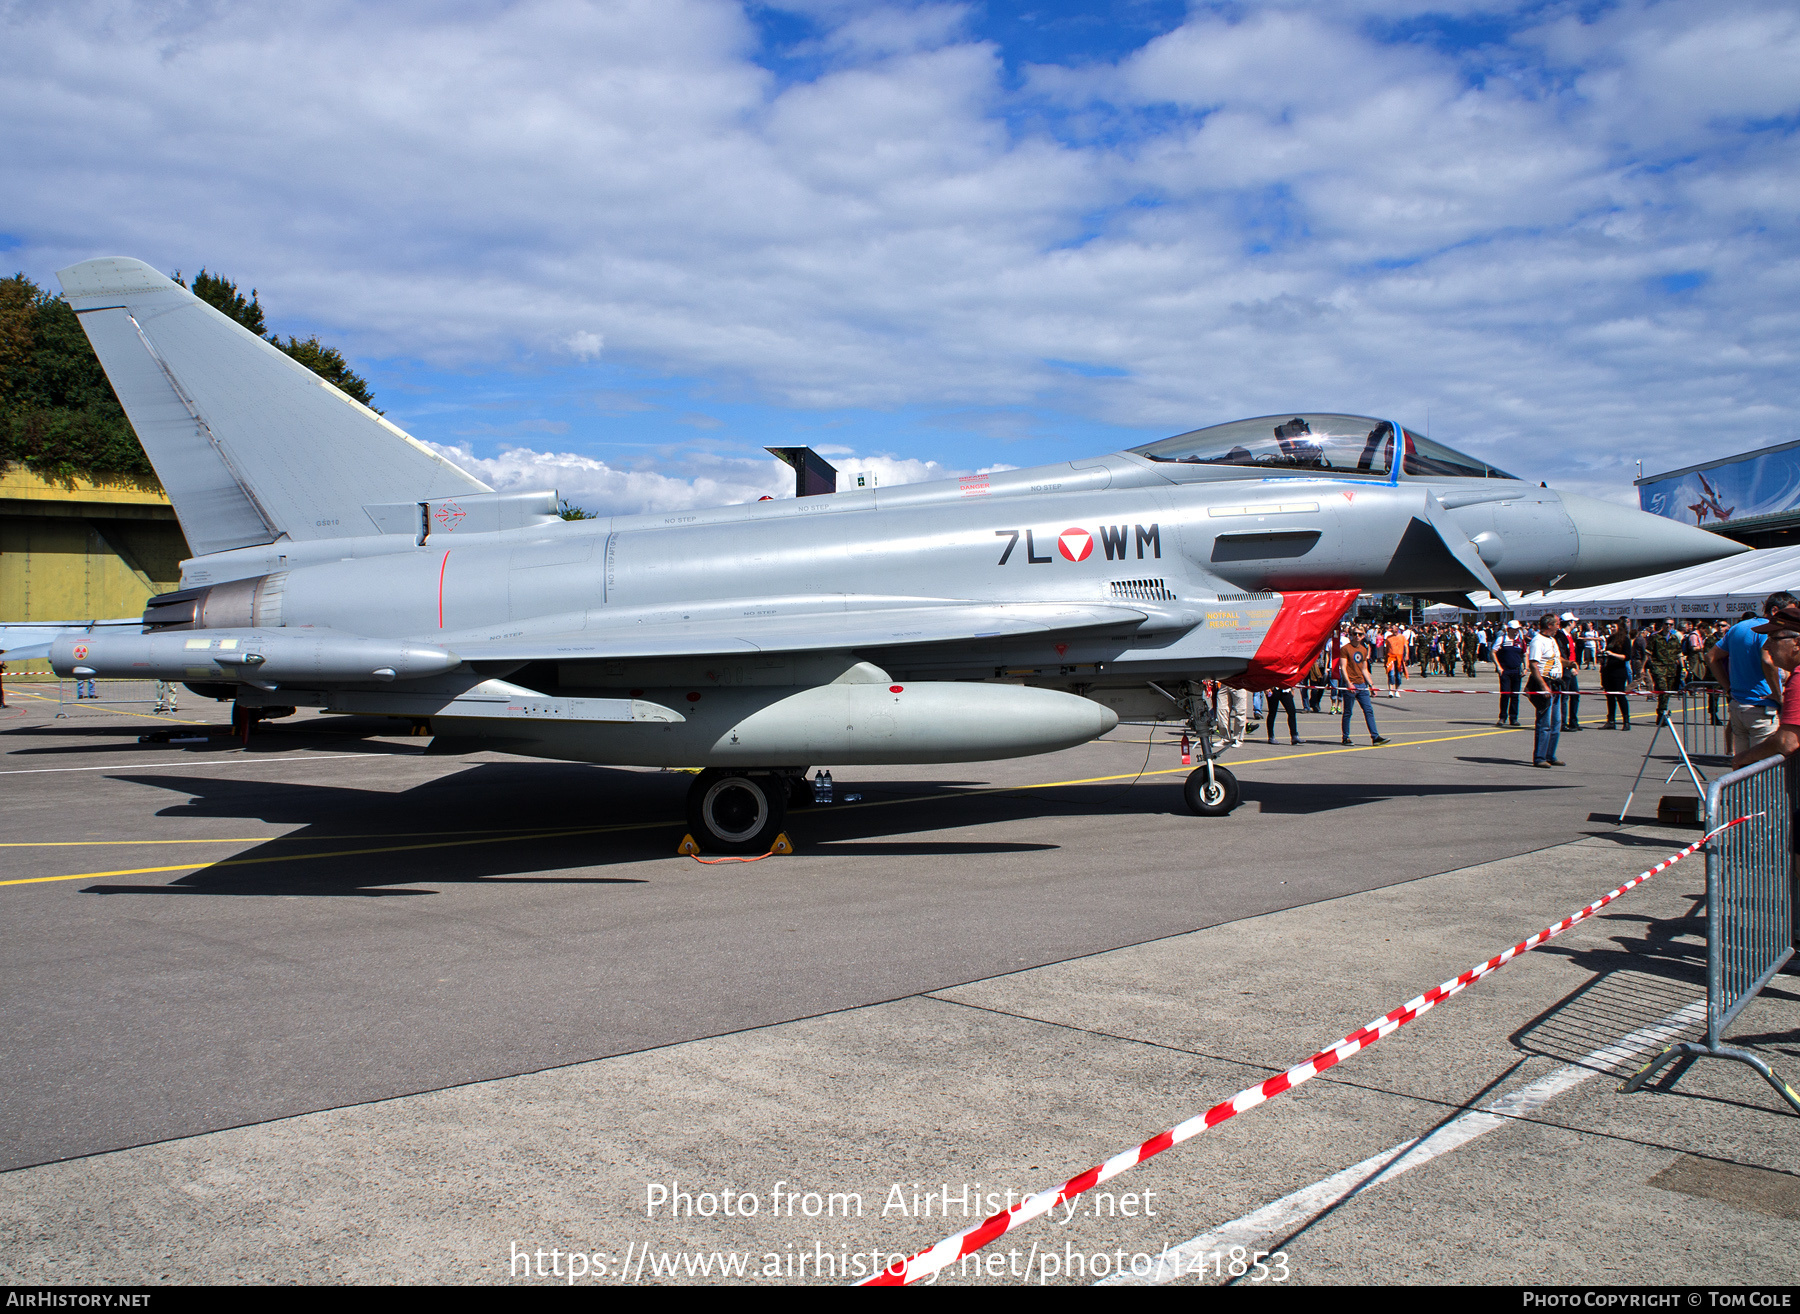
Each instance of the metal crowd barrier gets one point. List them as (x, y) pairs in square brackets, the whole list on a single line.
[(87, 697), (1690, 721), (1749, 912), (1705, 710)]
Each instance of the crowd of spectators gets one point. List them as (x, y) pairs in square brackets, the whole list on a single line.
[(1746, 671), (1542, 664)]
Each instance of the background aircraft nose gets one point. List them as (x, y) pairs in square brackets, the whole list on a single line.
[(1618, 542)]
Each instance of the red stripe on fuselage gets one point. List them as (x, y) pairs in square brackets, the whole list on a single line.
[(445, 565)]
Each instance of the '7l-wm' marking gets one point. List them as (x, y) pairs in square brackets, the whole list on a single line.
[(1076, 544)]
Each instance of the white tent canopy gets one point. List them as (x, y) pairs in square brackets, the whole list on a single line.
[(1730, 588)]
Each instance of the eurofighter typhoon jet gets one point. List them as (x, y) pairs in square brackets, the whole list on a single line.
[(341, 564)]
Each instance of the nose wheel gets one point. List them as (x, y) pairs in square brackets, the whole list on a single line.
[(729, 812), (1214, 797)]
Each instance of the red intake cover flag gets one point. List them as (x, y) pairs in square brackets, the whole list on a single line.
[(1300, 628)]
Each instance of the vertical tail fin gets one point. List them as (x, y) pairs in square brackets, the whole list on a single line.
[(251, 445)]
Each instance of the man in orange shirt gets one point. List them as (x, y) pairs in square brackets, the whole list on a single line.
[(1396, 661), (1353, 669)]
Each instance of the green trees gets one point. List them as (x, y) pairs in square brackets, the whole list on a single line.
[(58, 414), (222, 295)]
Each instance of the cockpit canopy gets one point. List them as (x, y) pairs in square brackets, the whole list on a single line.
[(1338, 444)]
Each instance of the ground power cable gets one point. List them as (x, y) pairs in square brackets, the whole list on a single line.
[(1123, 790)]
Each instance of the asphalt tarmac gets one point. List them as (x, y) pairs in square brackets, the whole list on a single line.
[(365, 923)]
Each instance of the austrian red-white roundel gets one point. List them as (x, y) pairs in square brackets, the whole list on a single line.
[(1075, 544)]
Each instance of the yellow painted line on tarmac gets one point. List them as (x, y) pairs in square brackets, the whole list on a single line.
[(346, 853), (233, 758), (1173, 771), (154, 716), (1257, 741), (673, 823), (523, 832), (1398, 743), (1284, 757), (148, 716), (89, 844)]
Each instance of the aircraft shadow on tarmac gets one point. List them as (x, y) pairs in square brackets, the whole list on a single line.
[(1285, 798), (108, 738), (535, 823), (566, 823), (120, 735)]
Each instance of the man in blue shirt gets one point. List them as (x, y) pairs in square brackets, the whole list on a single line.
[(1741, 662)]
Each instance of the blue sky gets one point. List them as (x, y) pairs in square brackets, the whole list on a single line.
[(620, 247)]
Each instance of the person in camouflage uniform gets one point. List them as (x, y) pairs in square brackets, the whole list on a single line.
[(1469, 645), (1663, 654), (1693, 651)]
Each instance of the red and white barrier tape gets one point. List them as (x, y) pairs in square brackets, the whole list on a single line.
[(1526, 693), (1493, 692), (953, 1248)]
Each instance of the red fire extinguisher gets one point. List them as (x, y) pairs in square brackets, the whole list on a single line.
[(1187, 752)]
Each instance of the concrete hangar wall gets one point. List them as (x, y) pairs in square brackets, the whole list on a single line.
[(83, 548)]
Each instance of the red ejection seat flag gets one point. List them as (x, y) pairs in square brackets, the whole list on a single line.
[(1300, 628)]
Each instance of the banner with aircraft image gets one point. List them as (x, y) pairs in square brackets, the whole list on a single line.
[(1760, 484)]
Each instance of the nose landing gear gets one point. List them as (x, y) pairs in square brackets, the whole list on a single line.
[(1211, 791)]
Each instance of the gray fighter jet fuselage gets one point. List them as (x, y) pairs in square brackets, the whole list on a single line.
[(342, 565)]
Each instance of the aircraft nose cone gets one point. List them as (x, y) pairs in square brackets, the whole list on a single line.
[(1618, 542)]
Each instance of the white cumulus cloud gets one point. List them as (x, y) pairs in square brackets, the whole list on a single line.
[(1572, 244), (697, 481), (584, 345)]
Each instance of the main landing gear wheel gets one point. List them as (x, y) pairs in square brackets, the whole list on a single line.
[(1214, 798), (733, 813)]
